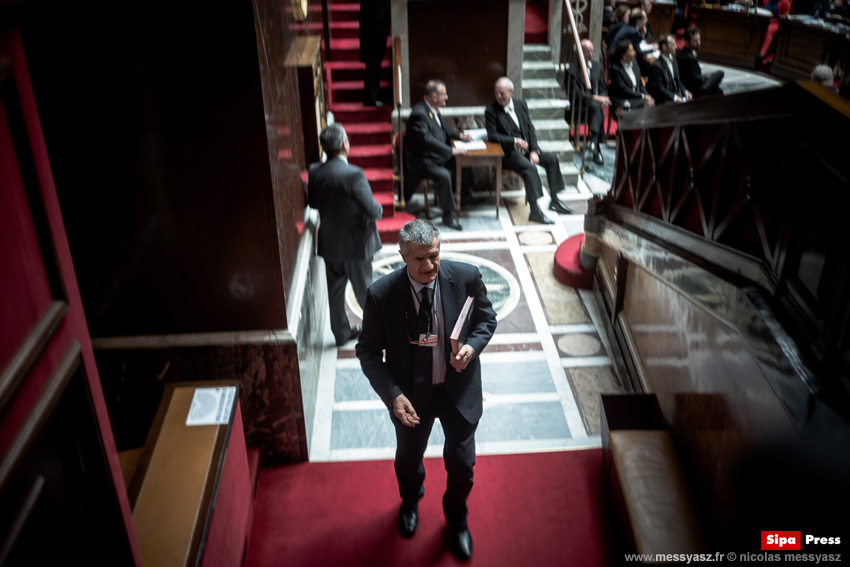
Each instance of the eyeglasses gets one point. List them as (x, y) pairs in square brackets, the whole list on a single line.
[(430, 338)]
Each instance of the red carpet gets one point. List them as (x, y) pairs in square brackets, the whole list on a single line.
[(535, 509)]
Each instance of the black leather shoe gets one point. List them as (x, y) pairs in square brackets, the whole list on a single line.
[(452, 223), (597, 158), (538, 216), (461, 543), (560, 208), (353, 333), (408, 520)]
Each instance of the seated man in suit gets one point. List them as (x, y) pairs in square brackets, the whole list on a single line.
[(509, 124), (689, 69), (665, 83), (626, 89), (594, 101), (428, 152), (635, 32)]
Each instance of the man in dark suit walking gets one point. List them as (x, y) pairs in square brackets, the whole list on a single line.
[(594, 100), (409, 315), (692, 77), (509, 124), (348, 235), (373, 30), (665, 83), (428, 152)]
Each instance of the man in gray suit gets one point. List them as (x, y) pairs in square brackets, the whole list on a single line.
[(348, 236)]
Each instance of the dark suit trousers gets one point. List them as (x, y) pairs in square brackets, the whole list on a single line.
[(595, 118), (442, 176), (458, 454), (519, 163), (338, 272)]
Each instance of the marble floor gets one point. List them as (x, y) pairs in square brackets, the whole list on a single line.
[(543, 370), (549, 359)]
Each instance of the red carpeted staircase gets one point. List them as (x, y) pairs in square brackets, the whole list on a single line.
[(369, 128)]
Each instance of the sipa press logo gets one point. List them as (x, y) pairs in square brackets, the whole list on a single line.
[(780, 540)]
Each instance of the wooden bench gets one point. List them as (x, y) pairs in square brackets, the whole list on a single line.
[(646, 487), (190, 492)]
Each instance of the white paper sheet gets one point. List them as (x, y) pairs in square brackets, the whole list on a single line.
[(211, 406)]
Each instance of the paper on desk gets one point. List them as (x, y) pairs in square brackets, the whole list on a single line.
[(477, 133), (473, 145), (211, 406)]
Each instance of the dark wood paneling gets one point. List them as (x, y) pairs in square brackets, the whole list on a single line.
[(730, 37), (804, 44), (471, 54), (55, 480), (154, 120)]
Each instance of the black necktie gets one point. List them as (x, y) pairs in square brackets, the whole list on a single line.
[(424, 355)]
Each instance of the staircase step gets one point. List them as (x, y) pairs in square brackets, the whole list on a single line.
[(350, 112), (388, 228), (366, 133), (537, 70), (348, 49), (569, 172), (542, 88), (338, 12), (551, 129), (536, 52), (352, 91), (371, 156), (353, 70), (546, 109), (380, 179), (568, 268), (339, 30), (561, 148)]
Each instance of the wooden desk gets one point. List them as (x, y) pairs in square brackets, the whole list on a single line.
[(490, 156), (805, 43), (731, 35)]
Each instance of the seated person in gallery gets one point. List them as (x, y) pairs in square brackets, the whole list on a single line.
[(698, 83), (635, 32), (626, 89), (665, 83)]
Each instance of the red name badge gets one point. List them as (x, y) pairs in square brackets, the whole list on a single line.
[(780, 540)]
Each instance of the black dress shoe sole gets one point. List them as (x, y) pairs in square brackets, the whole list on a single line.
[(542, 219), (562, 210)]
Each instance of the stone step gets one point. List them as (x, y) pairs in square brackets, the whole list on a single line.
[(542, 88), (568, 171), (537, 70), (546, 109), (561, 148), (552, 129), (536, 53)]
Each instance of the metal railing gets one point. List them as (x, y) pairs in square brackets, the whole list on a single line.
[(579, 105)]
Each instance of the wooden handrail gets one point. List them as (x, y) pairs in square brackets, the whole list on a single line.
[(577, 41), (397, 69), (398, 102)]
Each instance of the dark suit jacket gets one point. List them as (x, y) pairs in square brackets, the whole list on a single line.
[(425, 142), (502, 129), (577, 90), (388, 301), (661, 85), (690, 71), (347, 210), (621, 89)]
